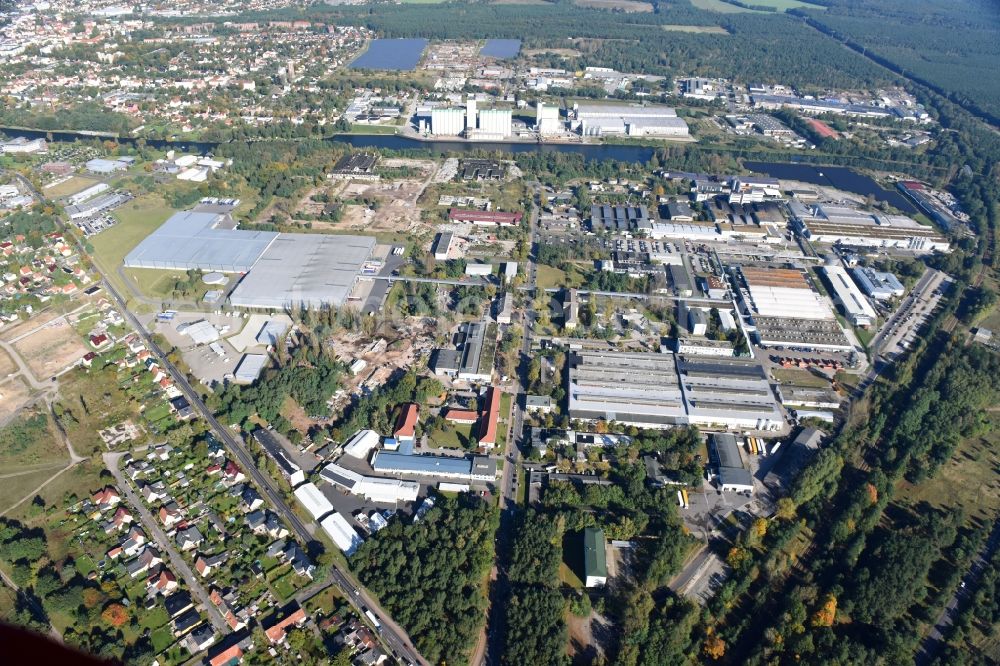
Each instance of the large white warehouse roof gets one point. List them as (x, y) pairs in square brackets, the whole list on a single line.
[(343, 535), (313, 499), (361, 444)]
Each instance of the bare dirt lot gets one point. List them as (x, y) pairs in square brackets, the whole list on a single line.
[(13, 395), (7, 365), (51, 349), (394, 347), (397, 200), (17, 329)]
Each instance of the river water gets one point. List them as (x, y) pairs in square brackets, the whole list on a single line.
[(841, 178)]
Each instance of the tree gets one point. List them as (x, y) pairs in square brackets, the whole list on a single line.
[(115, 615), (714, 647), (826, 613)]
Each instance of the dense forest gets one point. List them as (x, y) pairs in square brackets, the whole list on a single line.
[(429, 574), (951, 44)]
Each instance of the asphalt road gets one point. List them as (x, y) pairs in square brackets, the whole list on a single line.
[(391, 633), (928, 649), (177, 562), (511, 453)]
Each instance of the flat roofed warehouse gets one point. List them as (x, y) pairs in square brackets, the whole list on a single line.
[(196, 240), (304, 270), (479, 468), (656, 390), (783, 292)]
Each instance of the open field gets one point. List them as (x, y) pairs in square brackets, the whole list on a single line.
[(968, 481), (69, 187), (39, 319), (13, 395), (799, 377), (136, 220), (697, 29), (7, 365), (549, 276), (51, 349), (719, 6), (16, 488), (156, 283), (726, 8), (453, 436), (623, 5), (29, 442), (81, 480)]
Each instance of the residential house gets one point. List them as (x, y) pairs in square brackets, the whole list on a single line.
[(278, 628), (189, 539), (206, 564), (106, 498), (162, 583)]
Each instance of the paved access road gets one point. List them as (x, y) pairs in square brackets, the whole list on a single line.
[(391, 633), (177, 562)]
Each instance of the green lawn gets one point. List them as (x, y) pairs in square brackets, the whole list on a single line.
[(136, 220), (162, 638), (549, 276), (160, 283), (453, 436)]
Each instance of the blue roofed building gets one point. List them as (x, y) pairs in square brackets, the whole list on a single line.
[(476, 468)]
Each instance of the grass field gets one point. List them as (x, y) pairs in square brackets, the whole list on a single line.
[(14, 489), (623, 5), (68, 187), (136, 220), (453, 436), (697, 29), (549, 276), (81, 480), (968, 481), (160, 283), (29, 442), (726, 8)]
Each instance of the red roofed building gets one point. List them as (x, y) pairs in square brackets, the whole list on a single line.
[(491, 414), (165, 583), (229, 657), (406, 424), (461, 416), (484, 217), (99, 340), (276, 632), (106, 497)]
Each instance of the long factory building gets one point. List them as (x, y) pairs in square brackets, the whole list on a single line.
[(826, 223), (280, 270), (856, 307), (628, 119), (786, 311), (655, 390)]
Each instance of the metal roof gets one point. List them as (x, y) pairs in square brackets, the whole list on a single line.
[(250, 367), (191, 240), (594, 557), (309, 270)]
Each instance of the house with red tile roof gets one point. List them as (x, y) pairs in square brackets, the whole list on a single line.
[(276, 632), (406, 424), (488, 423)]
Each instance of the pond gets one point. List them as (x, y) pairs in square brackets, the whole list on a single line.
[(391, 54), (501, 48)]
